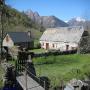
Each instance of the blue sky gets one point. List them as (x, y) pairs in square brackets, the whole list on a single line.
[(63, 9)]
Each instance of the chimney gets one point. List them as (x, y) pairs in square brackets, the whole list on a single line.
[(29, 34)]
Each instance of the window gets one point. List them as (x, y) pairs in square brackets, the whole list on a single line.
[(67, 47), (42, 44), (7, 38), (53, 45), (72, 48)]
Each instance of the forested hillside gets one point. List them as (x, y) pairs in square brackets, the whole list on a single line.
[(18, 21)]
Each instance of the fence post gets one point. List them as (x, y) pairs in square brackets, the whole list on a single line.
[(44, 85), (16, 67), (62, 85), (25, 79)]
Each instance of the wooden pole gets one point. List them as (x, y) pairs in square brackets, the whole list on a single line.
[(25, 79), (2, 3), (26, 76)]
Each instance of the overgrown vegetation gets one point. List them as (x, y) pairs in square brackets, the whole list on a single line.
[(63, 67), (85, 42), (1, 74)]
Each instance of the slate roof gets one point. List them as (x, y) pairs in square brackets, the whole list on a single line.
[(63, 34), (19, 37)]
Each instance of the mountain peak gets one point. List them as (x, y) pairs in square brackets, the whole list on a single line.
[(29, 12), (78, 21), (46, 21)]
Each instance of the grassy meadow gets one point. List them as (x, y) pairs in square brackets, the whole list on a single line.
[(63, 67)]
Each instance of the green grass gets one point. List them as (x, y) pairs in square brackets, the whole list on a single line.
[(38, 50), (63, 67)]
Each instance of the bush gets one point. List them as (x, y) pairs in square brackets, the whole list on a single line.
[(85, 45)]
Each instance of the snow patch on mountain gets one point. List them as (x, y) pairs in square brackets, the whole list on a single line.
[(79, 19)]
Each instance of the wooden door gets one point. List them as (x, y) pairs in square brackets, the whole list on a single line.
[(47, 45), (67, 47)]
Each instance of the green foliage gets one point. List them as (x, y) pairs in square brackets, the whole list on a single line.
[(37, 46), (15, 17), (38, 50)]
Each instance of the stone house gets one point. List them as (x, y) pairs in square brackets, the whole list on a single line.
[(61, 38)]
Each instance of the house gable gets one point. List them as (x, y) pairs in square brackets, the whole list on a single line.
[(8, 41)]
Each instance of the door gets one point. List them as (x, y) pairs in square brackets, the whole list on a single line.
[(47, 45), (67, 47)]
